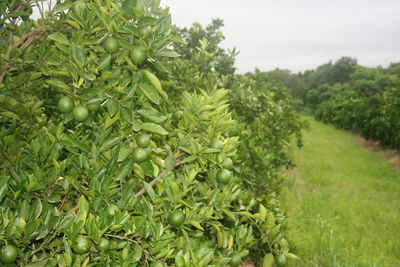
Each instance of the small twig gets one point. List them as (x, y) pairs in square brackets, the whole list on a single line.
[(53, 8), (26, 40), (122, 238), (159, 177), (72, 211), (40, 8)]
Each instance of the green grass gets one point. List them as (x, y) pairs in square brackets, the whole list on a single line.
[(343, 202)]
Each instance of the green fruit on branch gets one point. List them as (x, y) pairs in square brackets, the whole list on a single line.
[(80, 113), (81, 245), (227, 163), (140, 155), (224, 176), (236, 260), (65, 104), (138, 54), (111, 45), (143, 140), (176, 218), (177, 115), (144, 31), (280, 260), (8, 254), (103, 245), (112, 209)]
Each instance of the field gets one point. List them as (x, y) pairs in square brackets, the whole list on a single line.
[(343, 202), (127, 140)]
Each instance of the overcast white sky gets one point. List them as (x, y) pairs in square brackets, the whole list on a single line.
[(299, 35)]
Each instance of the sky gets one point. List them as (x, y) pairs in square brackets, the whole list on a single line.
[(299, 35)]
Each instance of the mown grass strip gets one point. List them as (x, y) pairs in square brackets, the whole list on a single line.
[(343, 202)]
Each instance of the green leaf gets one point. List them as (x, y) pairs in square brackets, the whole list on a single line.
[(154, 128), (83, 211), (123, 153), (59, 38), (170, 163), (110, 142), (126, 169), (262, 212), (10, 115), (168, 53), (36, 209), (180, 259), (57, 83), (78, 55), (155, 82), (83, 204), (150, 191), (70, 141), (147, 168), (104, 63), (165, 24), (152, 114), (110, 121), (150, 93), (3, 187), (126, 115), (88, 75), (63, 6), (137, 253), (112, 107), (196, 225), (37, 263)]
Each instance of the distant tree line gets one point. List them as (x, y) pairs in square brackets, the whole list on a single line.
[(361, 99)]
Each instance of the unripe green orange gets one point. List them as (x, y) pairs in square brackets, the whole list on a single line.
[(112, 209), (80, 113), (227, 163), (138, 54), (8, 254), (224, 176), (176, 218), (103, 245), (236, 260), (140, 154), (81, 245), (111, 45), (280, 260), (65, 104), (143, 140)]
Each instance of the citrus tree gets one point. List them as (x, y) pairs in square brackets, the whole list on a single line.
[(366, 104), (268, 125), (265, 117), (100, 166)]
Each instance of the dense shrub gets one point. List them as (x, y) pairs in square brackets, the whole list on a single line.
[(103, 161)]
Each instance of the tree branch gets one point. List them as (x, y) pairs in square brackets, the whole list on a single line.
[(26, 40), (159, 177)]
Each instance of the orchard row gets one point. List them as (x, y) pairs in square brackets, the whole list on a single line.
[(125, 141)]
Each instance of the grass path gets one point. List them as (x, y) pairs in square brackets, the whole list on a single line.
[(343, 202)]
